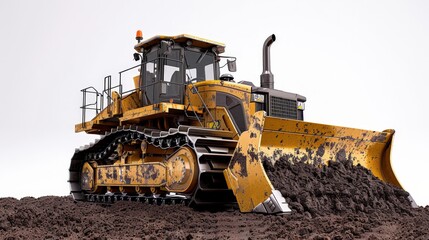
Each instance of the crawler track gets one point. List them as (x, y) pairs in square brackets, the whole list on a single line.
[(213, 149)]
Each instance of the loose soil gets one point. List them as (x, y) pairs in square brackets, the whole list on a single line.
[(338, 201)]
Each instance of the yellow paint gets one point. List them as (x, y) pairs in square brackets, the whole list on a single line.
[(182, 171), (143, 175), (88, 177), (152, 111), (225, 121), (254, 187), (208, 89)]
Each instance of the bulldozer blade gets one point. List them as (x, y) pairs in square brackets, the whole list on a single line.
[(272, 139)]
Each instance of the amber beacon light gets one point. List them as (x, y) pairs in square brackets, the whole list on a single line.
[(139, 35)]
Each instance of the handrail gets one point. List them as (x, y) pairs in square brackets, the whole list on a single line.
[(195, 113), (108, 89), (202, 101), (86, 106), (98, 105), (120, 80)]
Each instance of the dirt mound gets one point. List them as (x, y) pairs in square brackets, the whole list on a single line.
[(339, 201), (336, 188), (60, 217)]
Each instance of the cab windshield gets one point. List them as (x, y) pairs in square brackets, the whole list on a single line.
[(199, 65)]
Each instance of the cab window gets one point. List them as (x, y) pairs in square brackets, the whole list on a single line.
[(199, 65)]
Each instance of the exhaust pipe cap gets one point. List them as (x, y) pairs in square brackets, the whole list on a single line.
[(267, 77)]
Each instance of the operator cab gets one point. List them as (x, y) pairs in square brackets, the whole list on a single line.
[(168, 63)]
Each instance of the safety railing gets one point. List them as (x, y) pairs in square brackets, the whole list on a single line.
[(96, 104), (121, 92), (106, 97), (195, 90)]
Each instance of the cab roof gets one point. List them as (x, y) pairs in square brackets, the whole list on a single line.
[(182, 38)]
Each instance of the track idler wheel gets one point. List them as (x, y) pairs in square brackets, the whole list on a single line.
[(182, 171)]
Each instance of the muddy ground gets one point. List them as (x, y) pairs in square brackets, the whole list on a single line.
[(339, 201)]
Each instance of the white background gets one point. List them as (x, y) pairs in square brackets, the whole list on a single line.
[(361, 64)]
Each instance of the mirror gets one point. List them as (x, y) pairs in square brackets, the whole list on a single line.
[(232, 67), (136, 56)]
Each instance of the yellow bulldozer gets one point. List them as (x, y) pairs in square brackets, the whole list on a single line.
[(186, 134)]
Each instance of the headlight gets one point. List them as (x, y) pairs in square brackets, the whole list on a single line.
[(257, 98)]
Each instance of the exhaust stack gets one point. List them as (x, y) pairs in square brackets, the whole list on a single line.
[(267, 77)]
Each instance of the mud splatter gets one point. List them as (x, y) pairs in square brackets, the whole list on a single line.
[(379, 138), (253, 153), (341, 155), (320, 151), (127, 179), (240, 159), (115, 173)]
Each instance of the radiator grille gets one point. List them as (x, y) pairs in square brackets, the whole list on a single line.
[(284, 108)]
